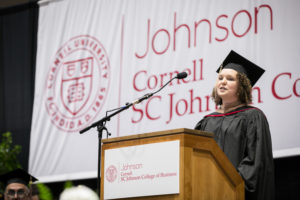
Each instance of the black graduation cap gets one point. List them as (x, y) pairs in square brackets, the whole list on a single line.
[(17, 176), (240, 64)]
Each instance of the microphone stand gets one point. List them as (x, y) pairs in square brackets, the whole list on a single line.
[(101, 123), (100, 128)]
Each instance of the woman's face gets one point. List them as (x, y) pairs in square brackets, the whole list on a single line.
[(227, 85)]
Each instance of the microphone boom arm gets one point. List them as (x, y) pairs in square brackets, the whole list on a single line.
[(104, 119), (128, 105)]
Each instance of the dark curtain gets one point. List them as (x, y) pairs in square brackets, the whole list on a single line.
[(18, 42)]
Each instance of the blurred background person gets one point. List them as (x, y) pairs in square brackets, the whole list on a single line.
[(17, 184), (35, 192), (80, 192)]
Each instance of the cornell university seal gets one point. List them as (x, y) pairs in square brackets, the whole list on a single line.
[(77, 83), (111, 173)]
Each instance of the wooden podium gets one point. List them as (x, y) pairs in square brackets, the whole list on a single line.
[(205, 171)]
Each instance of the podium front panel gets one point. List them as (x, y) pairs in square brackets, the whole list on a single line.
[(142, 170)]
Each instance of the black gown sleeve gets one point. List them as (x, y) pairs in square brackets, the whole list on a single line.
[(256, 167), (199, 125)]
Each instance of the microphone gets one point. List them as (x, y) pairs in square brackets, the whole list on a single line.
[(181, 75)]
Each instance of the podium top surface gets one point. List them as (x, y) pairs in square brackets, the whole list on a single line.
[(158, 134)]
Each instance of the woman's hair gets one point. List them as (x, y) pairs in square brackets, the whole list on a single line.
[(243, 91)]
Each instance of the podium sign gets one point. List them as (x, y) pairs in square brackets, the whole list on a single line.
[(142, 170)]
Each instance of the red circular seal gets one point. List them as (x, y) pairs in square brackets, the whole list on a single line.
[(111, 173), (77, 83)]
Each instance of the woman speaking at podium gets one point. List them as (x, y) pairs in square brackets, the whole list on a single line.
[(242, 131)]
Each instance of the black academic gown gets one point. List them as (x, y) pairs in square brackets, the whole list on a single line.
[(244, 136)]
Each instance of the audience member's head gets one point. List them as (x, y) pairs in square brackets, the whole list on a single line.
[(16, 184), (80, 192), (35, 192)]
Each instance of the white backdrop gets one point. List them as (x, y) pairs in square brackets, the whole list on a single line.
[(96, 55)]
